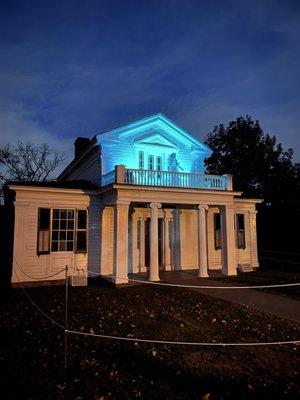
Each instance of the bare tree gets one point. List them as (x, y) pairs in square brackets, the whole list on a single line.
[(27, 162)]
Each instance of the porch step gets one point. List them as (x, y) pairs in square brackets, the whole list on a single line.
[(244, 268)]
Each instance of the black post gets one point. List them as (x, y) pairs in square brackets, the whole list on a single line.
[(66, 318)]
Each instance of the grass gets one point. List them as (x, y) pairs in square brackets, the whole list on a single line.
[(268, 276), (32, 348)]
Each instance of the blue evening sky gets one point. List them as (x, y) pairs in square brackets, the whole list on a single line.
[(76, 68)]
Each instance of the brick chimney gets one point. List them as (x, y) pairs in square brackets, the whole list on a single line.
[(81, 143)]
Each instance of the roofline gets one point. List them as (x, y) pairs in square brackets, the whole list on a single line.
[(76, 160), (26, 188)]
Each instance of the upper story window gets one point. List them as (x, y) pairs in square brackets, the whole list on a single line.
[(159, 163), (141, 160), (66, 230), (151, 162), (240, 231)]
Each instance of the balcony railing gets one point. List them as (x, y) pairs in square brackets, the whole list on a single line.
[(141, 177)]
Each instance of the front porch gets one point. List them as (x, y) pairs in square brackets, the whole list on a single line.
[(151, 230)]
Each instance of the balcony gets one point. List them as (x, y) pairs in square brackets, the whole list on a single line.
[(140, 177)]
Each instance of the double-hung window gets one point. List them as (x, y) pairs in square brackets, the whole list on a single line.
[(240, 231), (141, 160), (62, 229), (43, 240), (151, 162), (217, 231)]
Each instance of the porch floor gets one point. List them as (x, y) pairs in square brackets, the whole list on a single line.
[(270, 303)]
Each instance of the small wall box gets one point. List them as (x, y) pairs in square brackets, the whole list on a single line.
[(78, 280)]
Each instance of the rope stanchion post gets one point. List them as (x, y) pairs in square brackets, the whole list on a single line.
[(66, 318)]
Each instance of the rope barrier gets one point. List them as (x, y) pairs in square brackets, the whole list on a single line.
[(41, 277), (201, 286), (37, 307), (153, 341)]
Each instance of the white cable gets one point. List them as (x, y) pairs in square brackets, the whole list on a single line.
[(156, 341), (37, 307), (202, 287), (182, 343), (36, 278)]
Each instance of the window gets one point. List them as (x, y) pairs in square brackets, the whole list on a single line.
[(62, 230), (141, 160), (81, 242), (240, 231), (217, 231), (159, 163), (43, 242), (151, 163)]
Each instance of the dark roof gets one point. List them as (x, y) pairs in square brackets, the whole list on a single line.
[(76, 184)]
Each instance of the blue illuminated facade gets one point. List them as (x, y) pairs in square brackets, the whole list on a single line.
[(153, 143)]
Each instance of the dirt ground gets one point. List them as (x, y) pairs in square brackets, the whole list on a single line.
[(31, 347)]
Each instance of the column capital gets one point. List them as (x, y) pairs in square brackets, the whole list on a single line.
[(121, 205), (155, 205), (168, 213), (202, 206)]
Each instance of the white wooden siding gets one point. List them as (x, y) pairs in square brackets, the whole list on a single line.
[(89, 169)]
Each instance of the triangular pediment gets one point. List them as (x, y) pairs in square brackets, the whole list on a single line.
[(155, 140), (156, 130)]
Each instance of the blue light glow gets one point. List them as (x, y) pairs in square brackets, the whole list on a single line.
[(157, 137)]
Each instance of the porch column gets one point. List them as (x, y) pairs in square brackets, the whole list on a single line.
[(142, 267), (134, 254), (154, 267), (228, 240), (120, 256), (167, 250), (253, 238), (202, 240)]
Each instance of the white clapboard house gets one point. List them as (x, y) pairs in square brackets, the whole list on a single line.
[(135, 199)]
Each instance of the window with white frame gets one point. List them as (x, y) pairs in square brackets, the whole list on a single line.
[(240, 231), (141, 160), (151, 162), (65, 229)]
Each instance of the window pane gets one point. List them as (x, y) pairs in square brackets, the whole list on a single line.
[(81, 241), (70, 224), (70, 214), (62, 246), (63, 230), (43, 228), (240, 221), (63, 224), (55, 214), (55, 224), (54, 246), (63, 214), (81, 219)]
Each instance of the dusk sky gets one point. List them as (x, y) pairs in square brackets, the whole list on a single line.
[(77, 68)]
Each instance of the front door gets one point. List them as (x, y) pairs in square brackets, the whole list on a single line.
[(160, 242)]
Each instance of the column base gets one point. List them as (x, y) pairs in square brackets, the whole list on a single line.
[(120, 281), (154, 279), (167, 267), (226, 273), (142, 269), (203, 275)]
